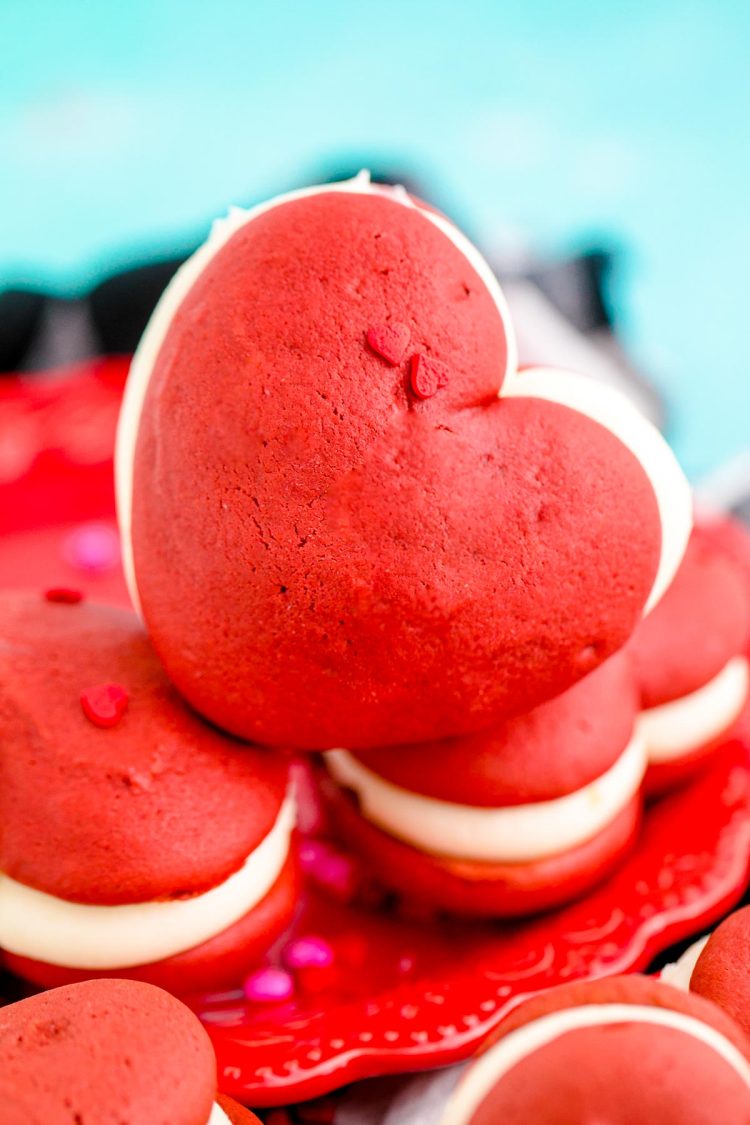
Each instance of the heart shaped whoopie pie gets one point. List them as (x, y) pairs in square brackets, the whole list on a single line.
[(336, 539)]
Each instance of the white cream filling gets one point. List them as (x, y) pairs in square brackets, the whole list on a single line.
[(180, 285), (483, 1075), (515, 834), (80, 936), (674, 729), (613, 410), (218, 1116), (679, 972)]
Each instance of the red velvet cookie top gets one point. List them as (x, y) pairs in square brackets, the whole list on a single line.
[(558, 747), (106, 802), (635, 989), (104, 1051), (621, 1072), (365, 562), (702, 621), (722, 972)]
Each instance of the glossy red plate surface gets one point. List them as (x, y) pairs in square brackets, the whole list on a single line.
[(408, 996), (401, 995)]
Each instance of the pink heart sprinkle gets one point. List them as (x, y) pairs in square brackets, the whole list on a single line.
[(389, 341), (269, 986), (427, 375), (105, 704)]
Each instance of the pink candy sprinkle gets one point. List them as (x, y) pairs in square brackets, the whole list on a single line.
[(308, 952), (331, 870), (93, 547), (269, 986), (311, 853)]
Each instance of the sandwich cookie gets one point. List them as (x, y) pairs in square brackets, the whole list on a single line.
[(107, 1051), (135, 839), (718, 967), (333, 479), (691, 664), (621, 1050), (517, 819)]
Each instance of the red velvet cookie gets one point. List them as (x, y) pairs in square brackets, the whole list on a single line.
[(690, 661), (623, 1050), (123, 816), (722, 972), (108, 1050), (219, 962), (540, 755), (519, 819), (236, 1113), (483, 890), (385, 552)]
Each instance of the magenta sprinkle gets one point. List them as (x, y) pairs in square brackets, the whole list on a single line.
[(308, 952), (268, 986), (331, 870), (93, 547), (311, 853)]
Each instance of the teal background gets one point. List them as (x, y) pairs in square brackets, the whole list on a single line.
[(125, 126)]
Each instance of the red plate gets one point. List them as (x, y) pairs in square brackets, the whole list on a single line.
[(401, 995), (409, 996)]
